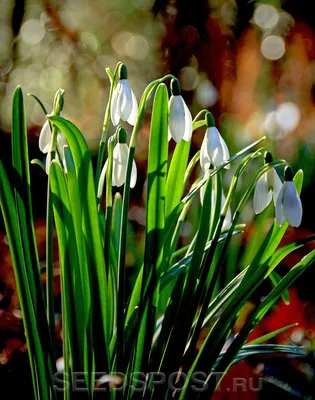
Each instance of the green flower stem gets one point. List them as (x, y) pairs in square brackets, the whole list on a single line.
[(178, 226), (104, 135), (191, 166), (50, 293), (50, 296), (195, 125), (199, 118), (109, 202)]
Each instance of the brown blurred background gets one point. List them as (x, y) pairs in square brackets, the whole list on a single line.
[(252, 63)]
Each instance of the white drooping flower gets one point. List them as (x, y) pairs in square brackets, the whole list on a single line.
[(289, 205), (124, 103), (44, 143), (214, 150), (180, 120), (120, 159), (268, 187), (228, 218)]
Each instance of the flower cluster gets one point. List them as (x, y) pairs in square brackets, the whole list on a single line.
[(285, 196), (213, 153)]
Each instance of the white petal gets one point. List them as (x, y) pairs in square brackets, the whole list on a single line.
[(47, 162), (228, 218), (102, 180), (188, 123), (45, 138), (277, 184), (134, 112), (205, 161), (279, 206), (61, 142), (292, 205), (226, 153), (262, 195), (114, 106), (176, 123), (125, 100), (217, 149), (133, 178), (120, 156)]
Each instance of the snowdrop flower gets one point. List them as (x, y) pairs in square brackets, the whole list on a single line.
[(120, 159), (213, 149), (228, 218), (268, 187), (45, 136), (289, 205), (124, 103), (180, 121), (44, 143)]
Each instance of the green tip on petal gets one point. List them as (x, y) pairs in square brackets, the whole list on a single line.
[(123, 72), (121, 134), (288, 173), (210, 120), (268, 157), (58, 101), (175, 87)]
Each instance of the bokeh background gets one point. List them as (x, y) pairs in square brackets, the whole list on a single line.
[(252, 63)]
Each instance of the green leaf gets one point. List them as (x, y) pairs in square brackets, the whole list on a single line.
[(92, 234), (36, 356), (40, 103), (176, 176), (259, 350), (220, 331), (24, 202), (275, 278), (180, 266), (270, 335), (155, 219), (21, 181), (156, 191)]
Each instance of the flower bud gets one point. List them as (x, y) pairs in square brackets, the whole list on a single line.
[(58, 102)]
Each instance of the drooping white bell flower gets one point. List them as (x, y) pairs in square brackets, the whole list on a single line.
[(213, 149), (120, 159), (268, 187), (44, 143), (289, 205), (124, 103), (228, 218), (180, 120)]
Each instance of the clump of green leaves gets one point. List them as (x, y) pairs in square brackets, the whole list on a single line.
[(141, 345)]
